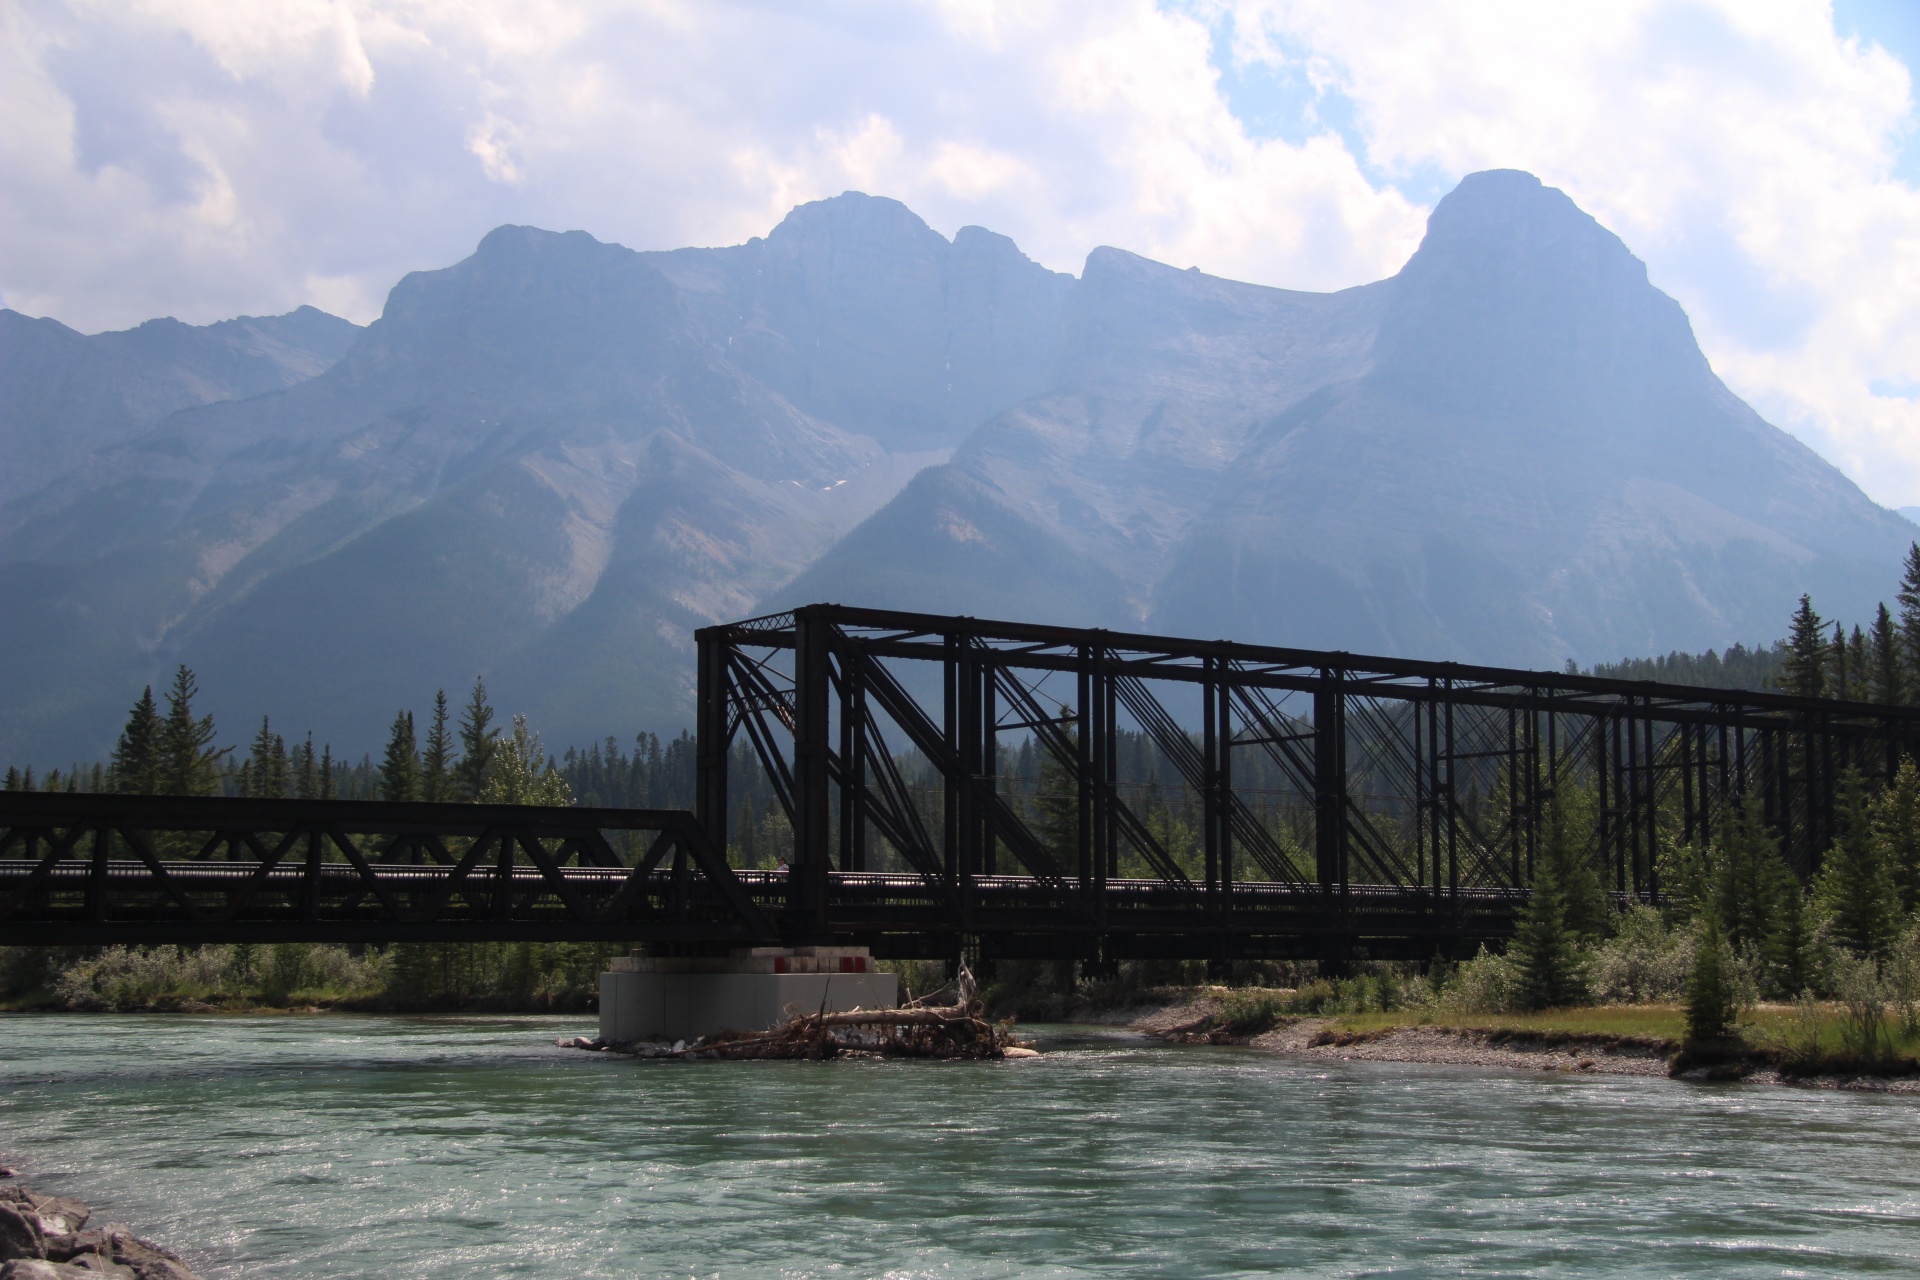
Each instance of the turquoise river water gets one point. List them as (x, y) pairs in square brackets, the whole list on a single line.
[(327, 1146)]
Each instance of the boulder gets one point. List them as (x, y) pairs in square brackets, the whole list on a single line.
[(20, 1234), (39, 1269), (114, 1250)]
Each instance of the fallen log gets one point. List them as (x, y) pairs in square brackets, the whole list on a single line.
[(916, 1031)]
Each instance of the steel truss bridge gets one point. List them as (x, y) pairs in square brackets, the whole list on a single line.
[(1198, 799)]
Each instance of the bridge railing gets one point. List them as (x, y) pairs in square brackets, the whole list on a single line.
[(78, 868)]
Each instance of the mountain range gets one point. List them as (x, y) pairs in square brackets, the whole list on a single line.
[(551, 462)]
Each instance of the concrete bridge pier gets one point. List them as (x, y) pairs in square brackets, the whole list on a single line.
[(645, 997)]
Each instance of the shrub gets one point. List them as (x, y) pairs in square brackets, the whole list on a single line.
[(1644, 960), (1488, 983), (1249, 1012)]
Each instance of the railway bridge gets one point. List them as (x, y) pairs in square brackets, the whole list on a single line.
[(1198, 799)]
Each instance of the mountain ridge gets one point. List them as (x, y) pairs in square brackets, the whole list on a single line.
[(553, 460)]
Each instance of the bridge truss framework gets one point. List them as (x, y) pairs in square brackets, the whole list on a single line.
[(1343, 806)]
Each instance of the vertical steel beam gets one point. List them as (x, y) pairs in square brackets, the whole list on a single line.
[(1330, 780), (990, 748), (712, 737), (853, 758), (812, 783), (1083, 766)]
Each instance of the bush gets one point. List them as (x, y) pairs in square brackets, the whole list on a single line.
[(1488, 983), (1644, 960), (1249, 1012)]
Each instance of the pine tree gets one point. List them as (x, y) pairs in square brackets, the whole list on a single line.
[(1859, 672), (1056, 803), (1588, 912), (265, 770), (400, 770), (1888, 681), (522, 773), (436, 762), (1788, 953), (136, 757), (1805, 673), (1854, 887), (1838, 677), (189, 762), (326, 771), (13, 780), (479, 738), (1909, 597), (1710, 1008), (1544, 949), (1896, 822), (1747, 878), (304, 770)]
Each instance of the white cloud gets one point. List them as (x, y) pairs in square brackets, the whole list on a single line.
[(201, 158)]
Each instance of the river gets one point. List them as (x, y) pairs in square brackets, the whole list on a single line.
[(333, 1146)]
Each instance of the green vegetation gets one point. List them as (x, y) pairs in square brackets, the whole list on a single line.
[(242, 977)]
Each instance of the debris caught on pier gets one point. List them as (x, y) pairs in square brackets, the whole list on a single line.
[(918, 1029)]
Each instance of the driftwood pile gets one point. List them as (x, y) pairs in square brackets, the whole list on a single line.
[(917, 1029)]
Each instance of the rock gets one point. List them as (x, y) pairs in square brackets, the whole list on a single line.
[(115, 1245), (1016, 1053), (37, 1269), (20, 1234), (60, 1215), (88, 1265)]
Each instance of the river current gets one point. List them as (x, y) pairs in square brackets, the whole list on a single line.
[(330, 1146)]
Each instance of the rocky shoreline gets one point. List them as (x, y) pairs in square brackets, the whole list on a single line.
[(45, 1237)]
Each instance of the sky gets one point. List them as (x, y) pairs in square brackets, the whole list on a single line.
[(204, 159)]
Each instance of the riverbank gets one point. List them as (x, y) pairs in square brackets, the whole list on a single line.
[(45, 1237), (1632, 1040)]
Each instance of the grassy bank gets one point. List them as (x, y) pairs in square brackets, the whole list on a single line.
[(1809, 1038)]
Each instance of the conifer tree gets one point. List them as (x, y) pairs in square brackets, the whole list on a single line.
[(1909, 598), (1544, 949), (1588, 912), (1056, 801), (1805, 673), (400, 770), (1839, 678), (304, 771), (265, 770), (479, 737), (1854, 887), (1896, 822), (1788, 953), (522, 773), (13, 780), (1710, 1007), (436, 762), (136, 757), (1859, 673), (326, 772), (1748, 878), (189, 762), (1887, 681)]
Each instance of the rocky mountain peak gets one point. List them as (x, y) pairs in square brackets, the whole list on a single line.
[(1519, 301)]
